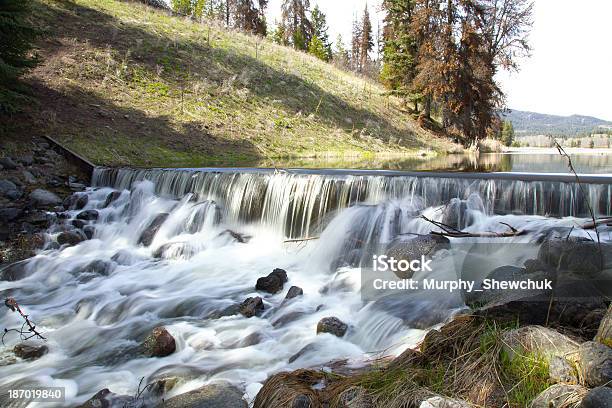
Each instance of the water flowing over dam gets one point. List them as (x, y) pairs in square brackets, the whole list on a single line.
[(179, 248)]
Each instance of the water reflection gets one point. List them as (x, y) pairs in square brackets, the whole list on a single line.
[(484, 162)]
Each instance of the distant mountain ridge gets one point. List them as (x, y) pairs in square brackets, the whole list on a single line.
[(532, 123)]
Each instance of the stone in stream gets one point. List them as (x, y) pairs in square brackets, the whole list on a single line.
[(107, 399), (80, 224), (147, 236), (9, 214), (251, 307), (9, 190), (595, 362), (294, 292), (30, 351), (599, 397), (98, 267), (88, 215), (332, 325), (415, 248), (159, 343), (41, 198), (71, 238), (26, 160), (273, 283), (220, 395), (579, 255), (557, 396), (89, 231), (76, 201), (8, 163), (14, 272), (111, 198)]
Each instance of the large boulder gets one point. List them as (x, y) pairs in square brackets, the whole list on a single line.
[(332, 325), (41, 198), (415, 248), (209, 396), (604, 333), (600, 397), (595, 362), (273, 283), (251, 307), (578, 255), (30, 351), (558, 395), (147, 236), (540, 341), (159, 343)]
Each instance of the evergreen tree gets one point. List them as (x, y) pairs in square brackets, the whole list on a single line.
[(17, 36), (317, 48), (355, 56), (297, 26), (340, 54), (507, 133), (319, 30), (366, 42), (250, 17)]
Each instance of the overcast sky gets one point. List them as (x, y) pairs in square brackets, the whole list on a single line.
[(569, 72)]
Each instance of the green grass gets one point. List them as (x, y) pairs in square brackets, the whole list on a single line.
[(529, 376), (123, 83)]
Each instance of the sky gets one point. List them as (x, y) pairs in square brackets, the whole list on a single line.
[(570, 68)]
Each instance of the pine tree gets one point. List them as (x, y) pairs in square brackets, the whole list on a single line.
[(340, 54), (17, 36), (317, 48), (355, 56), (297, 26), (250, 17), (507, 133), (366, 42), (319, 30)]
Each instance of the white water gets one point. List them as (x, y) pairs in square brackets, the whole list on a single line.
[(95, 324)]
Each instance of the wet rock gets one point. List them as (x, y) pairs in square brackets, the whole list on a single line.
[(252, 306), (175, 250), (576, 254), (604, 333), (557, 396), (415, 248), (209, 396), (89, 231), (88, 215), (28, 177), (294, 389), (78, 223), (26, 160), (159, 343), (9, 190), (111, 198), (443, 402), (99, 267), (76, 201), (147, 236), (355, 397), (309, 348), (41, 219), (71, 238), (162, 386), (595, 362), (540, 341), (332, 325), (125, 257), (600, 397), (273, 283), (231, 310), (459, 213), (41, 198), (8, 163), (294, 292), (14, 272), (30, 351), (107, 399), (287, 318), (561, 371), (9, 214), (236, 236)]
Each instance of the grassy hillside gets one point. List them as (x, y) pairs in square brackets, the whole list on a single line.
[(531, 123), (123, 83)]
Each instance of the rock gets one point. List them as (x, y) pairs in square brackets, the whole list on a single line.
[(175, 250), (235, 236), (355, 397), (26, 160), (71, 238), (159, 343), (99, 267), (291, 390), (107, 399), (9, 214), (332, 325), (534, 265), (443, 402), (415, 248), (557, 396), (561, 371), (88, 215), (604, 333), (595, 362), (89, 231), (209, 396), (162, 386), (8, 163), (9, 190), (30, 351), (273, 283), (14, 272), (76, 201), (294, 292), (147, 236), (77, 186), (251, 307), (540, 341), (600, 397), (78, 223), (111, 198), (44, 199), (28, 177), (458, 213), (576, 254)]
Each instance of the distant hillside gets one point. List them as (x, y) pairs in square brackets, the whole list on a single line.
[(127, 84), (531, 123)]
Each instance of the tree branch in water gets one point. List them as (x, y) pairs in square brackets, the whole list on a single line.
[(28, 328)]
